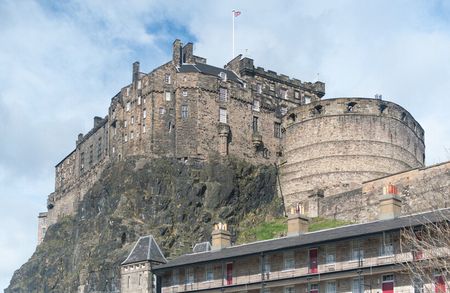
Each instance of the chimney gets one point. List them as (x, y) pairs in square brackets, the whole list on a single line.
[(135, 71), (221, 238), (298, 223), (97, 121), (390, 205), (188, 53), (176, 52)]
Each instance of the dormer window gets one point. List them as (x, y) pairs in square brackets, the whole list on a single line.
[(223, 76)]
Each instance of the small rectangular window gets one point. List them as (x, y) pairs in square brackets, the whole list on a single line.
[(143, 128), (139, 100), (358, 285), (184, 112), (143, 100), (139, 84), (272, 86), (209, 273), (277, 130), (259, 88), (128, 106), (162, 111), (331, 287), (314, 288), (357, 253), (255, 124), (125, 124), (144, 114), (331, 254), (283, 110), (256, 105), (289, 261), (296, 95), (307, 100), (132, 135), (185, 93), (167, 78), (283, 93), (223, 115), (125, 137), (223, 94), (387, 245), (132, 120), (168, 96)]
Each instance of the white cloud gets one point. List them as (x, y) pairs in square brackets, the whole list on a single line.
[(61, 64)]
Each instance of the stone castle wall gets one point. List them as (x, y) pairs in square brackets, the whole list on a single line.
[(335, 145)]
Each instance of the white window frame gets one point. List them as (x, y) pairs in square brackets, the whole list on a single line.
[(307, 100), (125, 137), (330, 285), (357, 250), (139, 84), (144, 113), (209, 273), (125, 124), (167, 78), (184, 93), (167, 96), (330, 258), (358, 285), (223, 94), (256, 105), (223, 115), (387, 245), (184, 112), (128, 106), (139, 100)]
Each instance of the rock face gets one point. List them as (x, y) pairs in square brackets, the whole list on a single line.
[(176, 203)]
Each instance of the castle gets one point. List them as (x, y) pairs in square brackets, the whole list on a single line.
[(327, 151)]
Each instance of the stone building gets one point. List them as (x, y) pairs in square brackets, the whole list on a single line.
[(328, 151), (357, 258)]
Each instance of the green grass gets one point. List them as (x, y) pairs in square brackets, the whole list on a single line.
[(278, 227), (317, 224), (263, 231)]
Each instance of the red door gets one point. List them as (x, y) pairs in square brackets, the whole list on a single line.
[(388, 287), (313, 261), (229, 273), (439, 284)]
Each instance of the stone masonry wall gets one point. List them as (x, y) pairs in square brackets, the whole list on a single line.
[(337, 144)]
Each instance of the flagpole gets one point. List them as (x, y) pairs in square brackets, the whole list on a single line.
[(232, 15)]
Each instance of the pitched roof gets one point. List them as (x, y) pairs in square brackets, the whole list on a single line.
[(209, 70), (312, 238), (145, 249)]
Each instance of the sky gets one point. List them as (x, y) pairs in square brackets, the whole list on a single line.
[(62, 61)]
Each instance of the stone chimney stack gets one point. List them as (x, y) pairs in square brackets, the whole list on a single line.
[(176, 52), (135, 71), (298, 223), (221, 238), (390, 204), (188, 53)]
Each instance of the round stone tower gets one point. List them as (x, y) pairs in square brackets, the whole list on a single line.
[(332, 146)]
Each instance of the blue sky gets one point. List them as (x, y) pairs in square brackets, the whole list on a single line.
[(60, 64)]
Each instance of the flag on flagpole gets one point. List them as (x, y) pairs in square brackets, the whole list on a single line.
[(236, 13)]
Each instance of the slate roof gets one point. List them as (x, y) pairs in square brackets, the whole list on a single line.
[(145, 249), (209, 70), (312, 238)]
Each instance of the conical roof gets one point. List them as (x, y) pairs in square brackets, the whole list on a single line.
[(145, 249)]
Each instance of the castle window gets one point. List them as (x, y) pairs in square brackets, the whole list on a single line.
[(259, 88), (209, 273), (318, 109), (255, 124), (382, 107), (113, 150), (82, 161), (144, 114), (307, 100), (132, 135), (222, 115), (128, 106), (283, 93), (256, 104), (403, 117), (277, 130), (143, 128), (351, 106), (139, 84), (272, 86), (139, 100), (143, 100), (223, 76), (167, 78), (132, 120), (296, 95), (139, 281), (125, 137), (185, 93), (184, 112), (168, 96), (283, 110), (128, 282), (125, 124), (162, 111), (91, 154), (223, 94), (127, 91)]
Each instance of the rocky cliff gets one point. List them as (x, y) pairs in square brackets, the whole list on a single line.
[(175, 202)]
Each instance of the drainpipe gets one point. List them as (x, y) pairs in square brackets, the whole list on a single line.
[(281, 191)]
